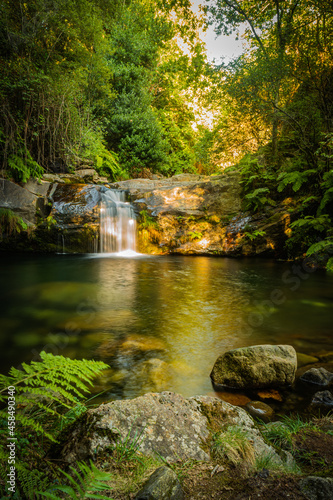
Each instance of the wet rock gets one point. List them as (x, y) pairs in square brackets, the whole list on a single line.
[(270, 394), (233, 398), (305, 359), (163, 484), (76, 204), (317, 376), (168, 424), (317, 488), (255, 367), (324, 398), (260, 410)]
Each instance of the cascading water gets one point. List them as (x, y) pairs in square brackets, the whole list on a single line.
[(117, 223)]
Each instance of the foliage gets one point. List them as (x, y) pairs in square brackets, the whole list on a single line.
[(42, 399), (257, 200), (85, 483), (329, 265), (322, 247), (127, 449), (21, 166), (281, 434), (255, 234), (306, 232), (146, 221), (233, 444), (53, 382), (296, 178), (11, 223), (195, 235)]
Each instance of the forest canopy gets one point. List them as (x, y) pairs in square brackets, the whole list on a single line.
[(125, 86)]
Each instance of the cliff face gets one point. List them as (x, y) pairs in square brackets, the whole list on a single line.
[(186, 214), (190, 214)]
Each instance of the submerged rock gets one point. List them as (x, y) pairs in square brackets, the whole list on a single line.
[(305, 359), (163, 484), (260, 410), (164, 423), (256, 367), (324, 398), (317, 376)]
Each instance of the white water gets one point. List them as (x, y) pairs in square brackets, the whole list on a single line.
[(117, 224)]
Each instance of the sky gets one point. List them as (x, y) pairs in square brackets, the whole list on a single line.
[(219, 47)]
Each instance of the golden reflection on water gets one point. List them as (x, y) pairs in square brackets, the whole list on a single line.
[(160, 322)]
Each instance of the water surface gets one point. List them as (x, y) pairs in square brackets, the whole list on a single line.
[(159, 322)]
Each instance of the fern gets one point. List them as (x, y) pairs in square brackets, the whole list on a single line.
[(257, 199), (22, 166), (56, 379), (11, 223), (84, 485), (310, 222), (31, 481), (254, 235), (327, 198), (295, 178), (321, 246), (195, 235)]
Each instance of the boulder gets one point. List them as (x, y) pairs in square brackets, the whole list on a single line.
[(255, 367), (317, 376), (21, 201), (163, 484), (166, 424), (317, 488)]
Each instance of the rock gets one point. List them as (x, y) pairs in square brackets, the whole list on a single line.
[(87, 174), (19, 200), (163, 484), (260, 410), (155, 375), (76, 204), (270, 394), (324, 398), (40, 188), (317, 376), (317, 488), (305, 359), (234, 398), (164, 423), (255, 367)]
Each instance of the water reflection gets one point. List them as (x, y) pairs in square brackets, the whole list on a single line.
[(160, 322)]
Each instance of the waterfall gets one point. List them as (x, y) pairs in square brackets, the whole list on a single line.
[(117, 223)]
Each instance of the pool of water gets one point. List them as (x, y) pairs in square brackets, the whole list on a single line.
[(159, 322)]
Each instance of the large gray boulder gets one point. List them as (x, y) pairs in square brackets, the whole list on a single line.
[(163, 424), (256, 367), (21, 201)]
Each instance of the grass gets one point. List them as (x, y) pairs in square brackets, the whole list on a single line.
[(233, 445), (281, 434)]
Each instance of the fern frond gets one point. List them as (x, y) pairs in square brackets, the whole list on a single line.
[(321, 246), (55, 380), (327, 198), (31, 481), (83, 484)]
